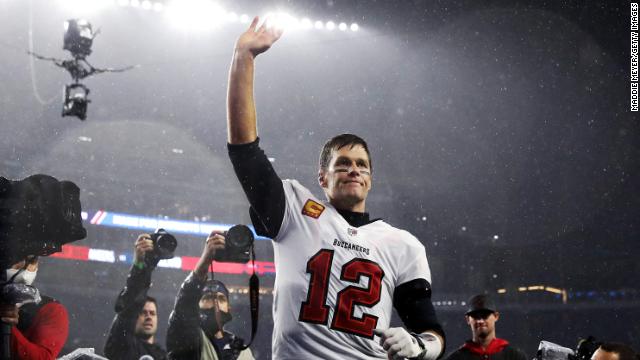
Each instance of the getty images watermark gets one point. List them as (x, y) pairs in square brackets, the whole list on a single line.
[(634, 56)]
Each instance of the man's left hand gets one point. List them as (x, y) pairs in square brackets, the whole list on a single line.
[(398, 343), (9, 314)]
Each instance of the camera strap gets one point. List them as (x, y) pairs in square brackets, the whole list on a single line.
[(254, 299)]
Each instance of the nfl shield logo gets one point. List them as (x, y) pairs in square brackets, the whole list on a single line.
[(352, 232)]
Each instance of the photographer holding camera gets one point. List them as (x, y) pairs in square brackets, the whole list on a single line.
[(196, 325), (132, 333), (39, 324)]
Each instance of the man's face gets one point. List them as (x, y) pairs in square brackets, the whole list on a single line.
[(482, 324), (147, 323), (347, 179), (604, 355), (208, 301)]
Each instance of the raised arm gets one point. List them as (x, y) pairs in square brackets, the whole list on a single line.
[(183, 335), (130, 301), (241, 110), (259, 180)]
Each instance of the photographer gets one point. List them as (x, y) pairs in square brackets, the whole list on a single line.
[(196, 325), (615, 351), (132, 333), (39, 329)]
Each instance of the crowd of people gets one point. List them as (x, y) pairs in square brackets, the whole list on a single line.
[(340, 272)]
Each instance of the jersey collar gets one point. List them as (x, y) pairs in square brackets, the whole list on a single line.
[(356, 219)]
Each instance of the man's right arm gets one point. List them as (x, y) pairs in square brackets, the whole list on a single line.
[(259, 180), (241, 110), (183, 334), (130, 302)]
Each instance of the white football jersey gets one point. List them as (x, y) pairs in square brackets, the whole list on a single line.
[(334, 282)]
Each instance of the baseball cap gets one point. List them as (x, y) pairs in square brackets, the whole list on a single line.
[(215, 286), (481, 303)]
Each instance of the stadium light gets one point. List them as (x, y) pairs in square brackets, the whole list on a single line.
[(305, 24), (195, 15), (85, 6)]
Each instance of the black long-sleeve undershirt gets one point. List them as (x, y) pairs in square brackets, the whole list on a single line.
[(262, 186)]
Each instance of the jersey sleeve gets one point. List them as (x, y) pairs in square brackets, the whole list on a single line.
[(295, 197), (413, 261)]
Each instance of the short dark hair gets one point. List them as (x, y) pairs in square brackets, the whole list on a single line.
[(624, 352), (338, 142), (153, 300)]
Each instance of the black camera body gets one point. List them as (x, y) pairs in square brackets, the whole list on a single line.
[(550, 351), (38, 215), (238, 245), (164, 245)]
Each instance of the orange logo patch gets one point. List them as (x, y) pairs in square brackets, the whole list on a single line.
[(312, 209)]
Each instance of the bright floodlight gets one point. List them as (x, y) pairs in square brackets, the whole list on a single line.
[(146, 4), (135, 3), (305, 23), (319, 25), (342, 26), (331, 25), (354, 27), (83, 7), (233, 17), (283, 21), (195, 15), (244, 18), (123, 2), (158, 6)]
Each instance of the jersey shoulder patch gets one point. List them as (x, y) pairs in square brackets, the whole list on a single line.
[(312, 209)]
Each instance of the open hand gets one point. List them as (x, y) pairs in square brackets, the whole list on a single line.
[(258, 40), (9, 314)]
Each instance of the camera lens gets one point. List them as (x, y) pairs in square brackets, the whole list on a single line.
[(239, 236), (167, 243)]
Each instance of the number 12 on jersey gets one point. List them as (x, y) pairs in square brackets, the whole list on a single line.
[(315, 310)]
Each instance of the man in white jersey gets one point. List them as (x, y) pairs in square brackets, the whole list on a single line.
[(338, 273)]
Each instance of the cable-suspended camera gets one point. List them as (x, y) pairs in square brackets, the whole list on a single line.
[(78, 39)]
